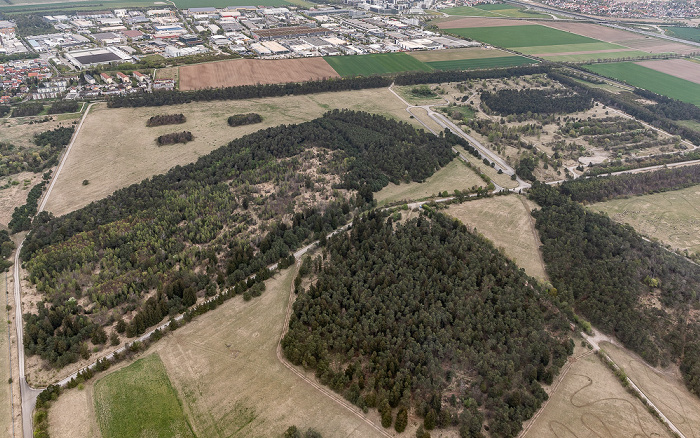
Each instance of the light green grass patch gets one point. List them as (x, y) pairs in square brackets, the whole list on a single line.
[(632, 54), (468, 11), (652, 80), (494, 6), (468, 64), (455, 176), (364, 65), (522, 36), (139, 401), (521, 13), (569, 48)]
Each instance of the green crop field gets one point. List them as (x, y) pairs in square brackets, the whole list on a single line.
[(139, 401), (686, 33), (522, 36), (651, 80), (364, 65), (467, 64), (468, 11), (495, 6), (632, 54)]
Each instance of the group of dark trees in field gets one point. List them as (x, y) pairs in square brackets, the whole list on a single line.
[(50, 143), (610, 274), (428, 315), (548, 101), (22, 215), (174, 137), (244, 119), (28, 109), (64, 106), (6, 248), (166, 119), (209, 217), (631, 184)]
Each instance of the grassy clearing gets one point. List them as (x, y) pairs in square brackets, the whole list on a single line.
[(686, 33), (421, 115), (494, 6), (671, 217), (412, 94), (115, 148), (468, 64), (570, 48), (632, 54), (522, 36), (381, 63), (458, 54), (651, 80), (224, 365), (591, 399), (469, 11), (506, 221), (502, 179), (455, 176), (665, 389), (140, 401)]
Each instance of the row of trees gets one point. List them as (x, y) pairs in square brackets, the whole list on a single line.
[(208, 217), (606, 271), (399, 311)]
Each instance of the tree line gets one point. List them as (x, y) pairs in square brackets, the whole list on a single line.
[(429, 316)]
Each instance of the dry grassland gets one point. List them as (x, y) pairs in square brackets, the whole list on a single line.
[(168, 73), (671, 217), (16, 195), (21, 134), (589, 401), (665, 389), (455, 176), (73, 414), (225, 368), (115, 148), (506, 221), (5, 402), (253, 71), (680, 68), (455, 54), (502, 179), (421, 115)]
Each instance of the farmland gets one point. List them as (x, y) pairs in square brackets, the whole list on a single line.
[(671, 217), (253, 71), (663, 387), (364, 65), (686, 33), (115, 148), (140, 401), (493, 10), (583, 57), (651, 80), (458, 54), (506, 221), (454, 176), (680, 68), (522, 36), (589, 399), (468, 64), (469, 11)]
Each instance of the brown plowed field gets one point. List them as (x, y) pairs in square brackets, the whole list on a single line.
[(480, 22), (679, 68), (624, 38), (253, 71)]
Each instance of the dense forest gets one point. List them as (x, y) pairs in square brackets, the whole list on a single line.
[(428, 315), (174, 137), (625, 285), (630, 184), (548, 101), (166, 119), (244, 119), (208, 225)]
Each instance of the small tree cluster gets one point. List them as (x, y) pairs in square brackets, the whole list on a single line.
[(244, 119), (166, 119), (175, 137)]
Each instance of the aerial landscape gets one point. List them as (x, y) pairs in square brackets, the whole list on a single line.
[(350, 218)]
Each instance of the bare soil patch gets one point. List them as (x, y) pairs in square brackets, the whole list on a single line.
[(590, 401), (480, 22), (622, 37), (456, 54), (506, 221), (115, 148), (679, 68), (253, 71)]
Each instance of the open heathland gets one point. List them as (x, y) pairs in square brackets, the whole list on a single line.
[(522, 36), (140, 401), (590, 401), (115, 148), (392, 305), (506, 221), (671, 217), (364, 65), (454, 176), (663, 388), (652, 80), (253, 71)]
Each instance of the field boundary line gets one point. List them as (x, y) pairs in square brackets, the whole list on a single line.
[(311, 382)]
